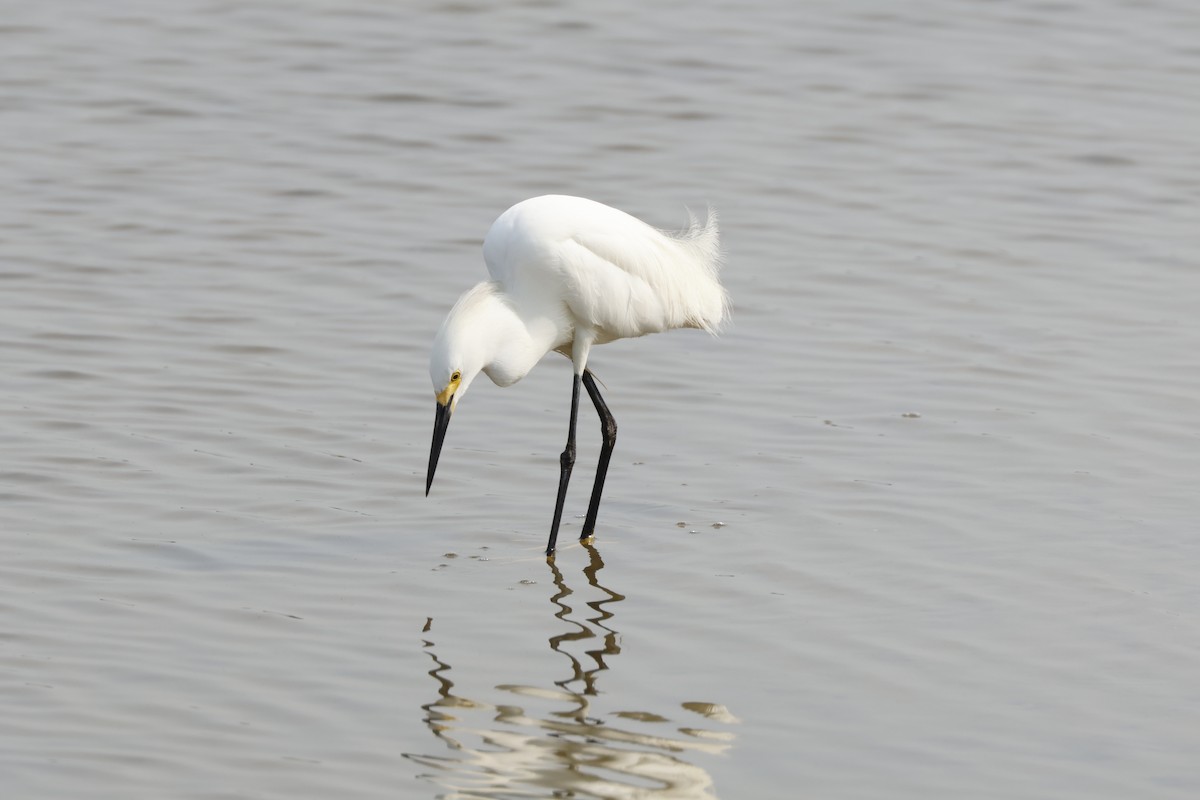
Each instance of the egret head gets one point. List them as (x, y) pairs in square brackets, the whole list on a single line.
[(457, 357)]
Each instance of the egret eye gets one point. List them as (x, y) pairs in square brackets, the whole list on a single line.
[(456, 377)]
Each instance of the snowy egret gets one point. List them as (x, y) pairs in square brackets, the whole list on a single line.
[(569, 273)]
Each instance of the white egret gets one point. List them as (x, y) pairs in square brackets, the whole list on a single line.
[(568, 273)]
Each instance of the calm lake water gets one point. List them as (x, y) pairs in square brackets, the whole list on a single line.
[(921, 523)]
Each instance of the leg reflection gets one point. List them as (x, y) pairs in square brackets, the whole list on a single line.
[(588, 629), (437, 720)]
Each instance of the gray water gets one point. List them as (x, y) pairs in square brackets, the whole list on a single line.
[(921, 523)]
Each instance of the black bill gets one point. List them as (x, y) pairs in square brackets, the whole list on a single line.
[(441, 421)]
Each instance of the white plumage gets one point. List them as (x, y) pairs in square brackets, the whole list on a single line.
[(568, 273), (617, 275)]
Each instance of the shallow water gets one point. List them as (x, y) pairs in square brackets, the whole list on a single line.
[(920, 523)]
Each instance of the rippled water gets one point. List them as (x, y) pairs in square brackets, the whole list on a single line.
[(921, 523)]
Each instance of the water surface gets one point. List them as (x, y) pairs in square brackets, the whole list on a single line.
[(920, 523)]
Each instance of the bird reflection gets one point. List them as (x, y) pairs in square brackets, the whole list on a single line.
[(575, 751)]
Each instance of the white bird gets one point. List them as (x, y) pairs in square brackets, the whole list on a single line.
[(569, 273)]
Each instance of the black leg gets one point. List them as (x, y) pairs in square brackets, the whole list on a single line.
[(565, 461), (608, 429)]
